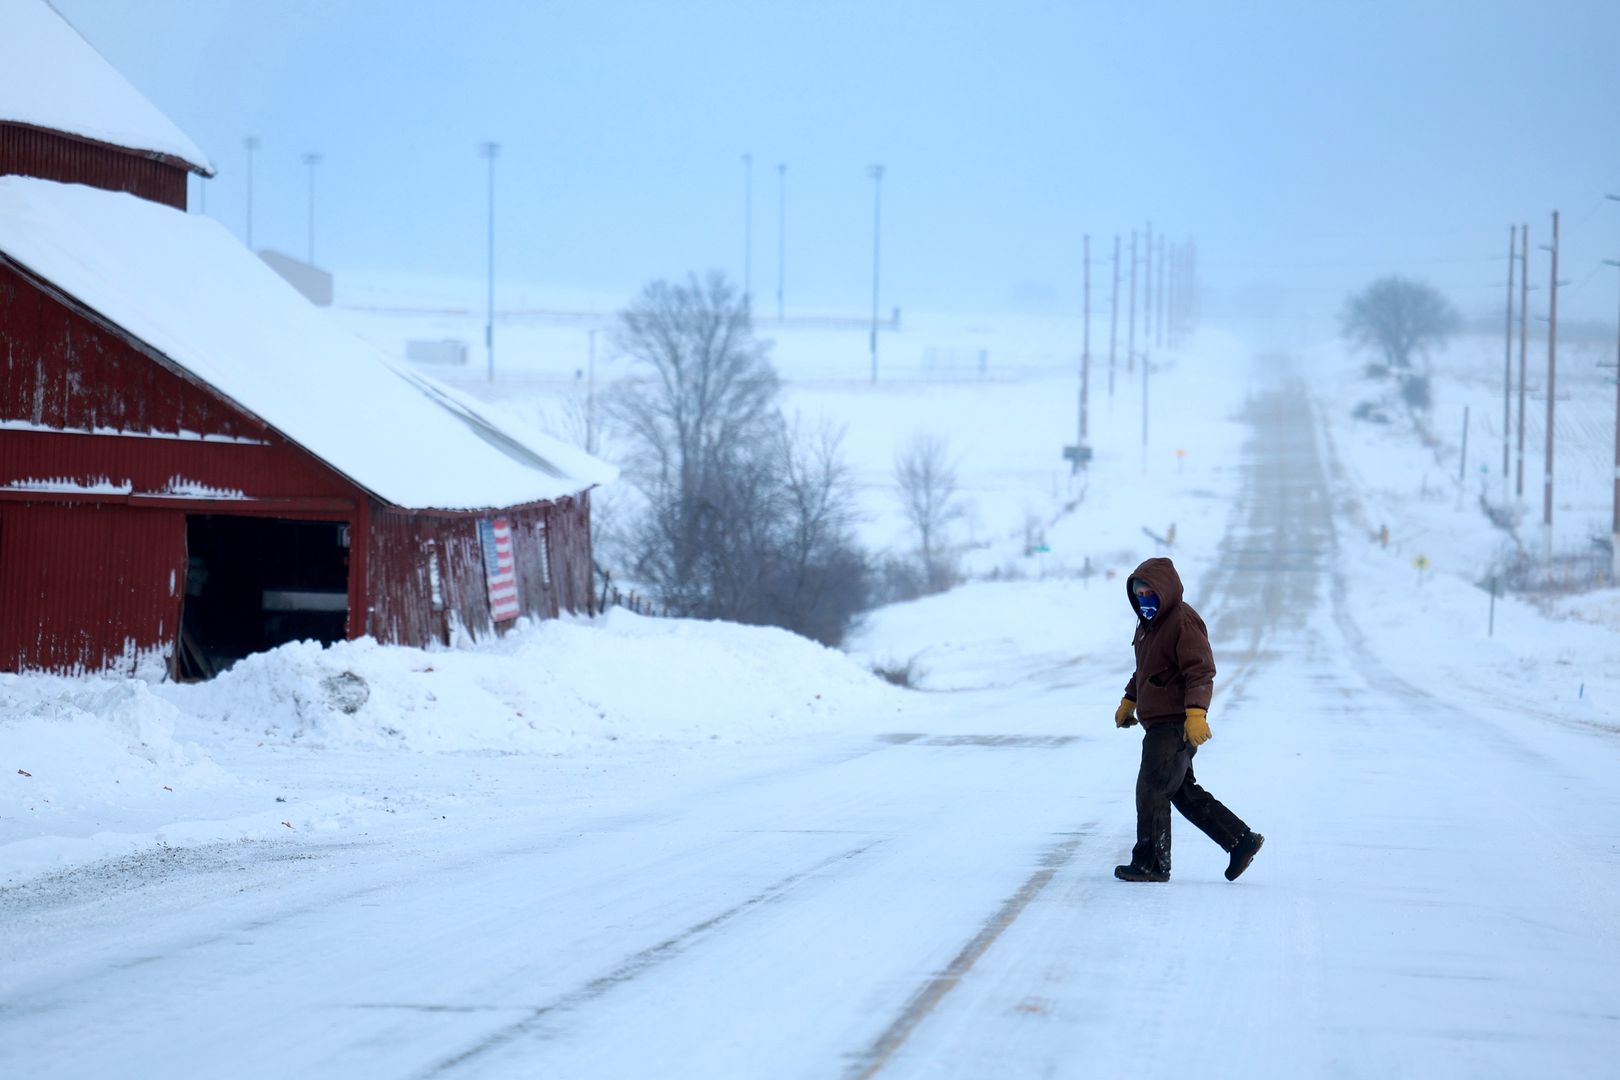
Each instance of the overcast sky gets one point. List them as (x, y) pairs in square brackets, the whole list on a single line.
[(1306, 146)]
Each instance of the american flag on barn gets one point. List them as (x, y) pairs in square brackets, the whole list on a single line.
[(500, 569)]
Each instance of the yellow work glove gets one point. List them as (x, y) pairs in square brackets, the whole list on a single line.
[(1197, 726), (1125, 715)]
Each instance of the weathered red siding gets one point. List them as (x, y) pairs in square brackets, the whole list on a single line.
[(85, 573), (551, 546), (571, 555), (87, 591), (51, 155), (110, 412), (66, 369)]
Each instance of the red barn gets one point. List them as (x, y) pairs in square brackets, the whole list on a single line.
[(196, 463)]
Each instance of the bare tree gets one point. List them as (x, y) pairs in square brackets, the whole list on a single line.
[(744, 520), (926, 481), (823, 579), (693, 425), (1400, 318)]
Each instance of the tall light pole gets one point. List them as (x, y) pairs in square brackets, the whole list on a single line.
[(312, 159), (251, 143), (781, 236), (748, 232), (491, 150), (876, 173)]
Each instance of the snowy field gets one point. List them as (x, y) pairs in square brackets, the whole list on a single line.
[(640, 847)]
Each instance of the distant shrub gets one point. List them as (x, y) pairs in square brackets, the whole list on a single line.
[(1415, 391), (1371, 412)]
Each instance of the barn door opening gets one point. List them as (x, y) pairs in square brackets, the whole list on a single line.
[(254, 583)]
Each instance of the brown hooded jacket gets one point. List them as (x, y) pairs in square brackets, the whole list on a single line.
[(1175, 669)]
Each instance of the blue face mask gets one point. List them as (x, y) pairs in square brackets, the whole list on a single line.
[(1148, 605)]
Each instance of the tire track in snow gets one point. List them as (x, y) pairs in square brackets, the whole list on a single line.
[(873, 1059), (628, 969)]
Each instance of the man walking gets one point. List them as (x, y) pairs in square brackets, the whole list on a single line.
[(1169, 693)]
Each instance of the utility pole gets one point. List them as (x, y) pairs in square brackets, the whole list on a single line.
[(590, 396), (251, 143), (312, 160), (1147, 289), (876, 173), (1175, 293), (1614, 532), (1085, 352), (1524, 346), (1147, 337), (1113, 320), (1178, 324), (1507, 367), (1552, 382), (491, 150), (748, 232), (1130, 341), (1158, 319), (1192, 284), (781, 237), (1145, 366)]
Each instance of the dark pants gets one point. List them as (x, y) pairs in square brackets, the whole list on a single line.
[(1166, 780)]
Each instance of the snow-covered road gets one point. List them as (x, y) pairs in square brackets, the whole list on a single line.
[(1437, 894)]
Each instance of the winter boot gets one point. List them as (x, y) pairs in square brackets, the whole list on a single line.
[(1132, 872), (1243, 853)]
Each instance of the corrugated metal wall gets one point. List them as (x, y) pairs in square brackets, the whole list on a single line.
[(94, 580), (571, 555), (29, 151), (49, 155), (551, 546), (64, 369), (60, 369), (86, 590)]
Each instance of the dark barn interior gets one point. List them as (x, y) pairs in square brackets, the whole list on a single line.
[(253, 583)]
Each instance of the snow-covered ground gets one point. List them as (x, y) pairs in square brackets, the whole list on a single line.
[(633, 847)]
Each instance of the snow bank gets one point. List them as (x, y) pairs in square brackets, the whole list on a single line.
[(992, 633), (80, 759), (73, 736), (94, 768), (1549, 656), (545, 687)]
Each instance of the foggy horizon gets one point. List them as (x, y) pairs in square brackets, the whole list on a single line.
[(1305, 152)]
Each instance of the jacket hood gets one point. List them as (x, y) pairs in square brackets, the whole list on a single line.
[(1160, 573)]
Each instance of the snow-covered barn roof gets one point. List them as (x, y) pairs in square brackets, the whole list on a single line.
[(186, 288), (51, 77)]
